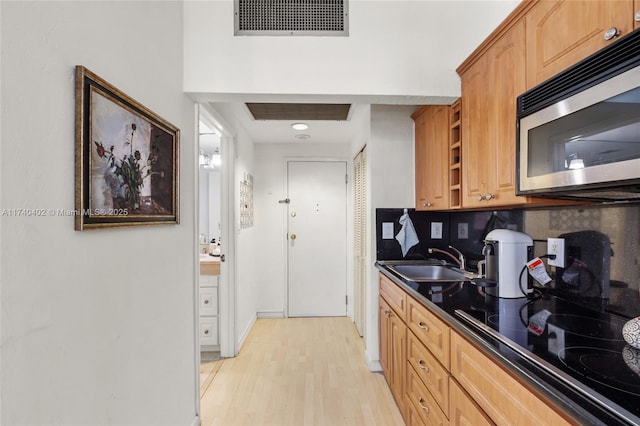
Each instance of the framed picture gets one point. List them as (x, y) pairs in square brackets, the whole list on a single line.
[(126, 159)]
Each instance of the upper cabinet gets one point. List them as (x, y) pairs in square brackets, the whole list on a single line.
[(489, 89), (561, 33), (431, 157)]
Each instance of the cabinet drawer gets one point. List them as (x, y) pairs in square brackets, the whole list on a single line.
[(209, 331), (429, 370), (209, 301), (394, 295), (208, 280), (422, 401), (431, 331), (501, 396)]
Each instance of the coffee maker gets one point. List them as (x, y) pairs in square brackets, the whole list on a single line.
[(506, 252)]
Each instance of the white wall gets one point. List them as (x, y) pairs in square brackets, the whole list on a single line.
[(271, 223), (97, 326), (403, 49), (390, 169)]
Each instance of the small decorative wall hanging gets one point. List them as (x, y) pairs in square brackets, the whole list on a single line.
[(126, 159), (246, 202)]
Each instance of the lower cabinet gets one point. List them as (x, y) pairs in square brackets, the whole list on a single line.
[(393, 334), (503, 398), (209, 312), (463, 410), (437, 377)]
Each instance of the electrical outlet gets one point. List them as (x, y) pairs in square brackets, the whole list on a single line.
[(556, 246), (436, 230), (463, 231)]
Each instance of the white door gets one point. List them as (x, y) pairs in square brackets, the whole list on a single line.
[(317, 238)]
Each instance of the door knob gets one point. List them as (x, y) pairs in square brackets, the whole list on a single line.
[(292, 236)]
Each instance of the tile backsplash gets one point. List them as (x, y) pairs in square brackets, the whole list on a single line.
[(619, 224)]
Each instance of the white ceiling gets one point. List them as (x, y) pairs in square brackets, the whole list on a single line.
[(280, 131)]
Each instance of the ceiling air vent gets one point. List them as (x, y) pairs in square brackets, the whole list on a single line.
[(279, 111), (291, 17)]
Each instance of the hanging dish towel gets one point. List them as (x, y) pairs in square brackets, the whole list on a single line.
[(407, 235)]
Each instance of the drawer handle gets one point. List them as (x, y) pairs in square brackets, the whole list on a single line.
[(423, 365), (420, 401), (423, 326)]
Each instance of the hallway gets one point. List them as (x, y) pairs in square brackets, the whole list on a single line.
[(299, 371)]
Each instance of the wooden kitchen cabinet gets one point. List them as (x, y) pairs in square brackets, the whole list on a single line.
[(503, 398), (393, 336), (489, 89), (636, 13), (463, 411), (562, 33), (432, 157)]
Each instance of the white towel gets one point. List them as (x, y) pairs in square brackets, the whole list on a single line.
[(407, 235)]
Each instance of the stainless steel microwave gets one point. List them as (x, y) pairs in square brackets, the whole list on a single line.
[(578, 133)]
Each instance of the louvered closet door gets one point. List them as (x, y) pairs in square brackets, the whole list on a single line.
[(360, 240)]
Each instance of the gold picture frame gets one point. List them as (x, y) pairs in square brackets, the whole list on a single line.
[(126, 159)]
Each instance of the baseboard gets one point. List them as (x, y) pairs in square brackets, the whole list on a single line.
[(196, 421), (372, 364), (244, 335), (271, 314)]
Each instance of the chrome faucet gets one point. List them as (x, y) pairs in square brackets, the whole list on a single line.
[(460, 260)]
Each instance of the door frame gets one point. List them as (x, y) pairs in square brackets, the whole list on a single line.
[(226, 283), (349, 228)]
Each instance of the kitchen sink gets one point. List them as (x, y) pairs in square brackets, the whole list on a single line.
[(420, 272)]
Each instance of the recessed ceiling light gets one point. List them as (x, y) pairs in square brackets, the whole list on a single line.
[(300, 126), (302, 136)]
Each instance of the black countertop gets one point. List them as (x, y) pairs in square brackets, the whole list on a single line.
[(608, 394)]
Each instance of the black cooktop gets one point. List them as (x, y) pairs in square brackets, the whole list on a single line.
[(581, 346)]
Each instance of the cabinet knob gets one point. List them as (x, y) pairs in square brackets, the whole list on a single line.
[(489, 196), (206, 331), (480, 197), (637, 17), (206, 301), (423, 326), (293, 236), (613, 32), (427, 204)]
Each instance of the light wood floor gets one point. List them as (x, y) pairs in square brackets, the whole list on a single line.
[(299, 371)]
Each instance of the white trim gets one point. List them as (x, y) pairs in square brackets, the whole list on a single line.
[(246, 331), (271, 314), (227, 285), (196, 265)]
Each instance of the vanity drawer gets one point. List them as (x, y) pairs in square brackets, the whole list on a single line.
[(208, 301), (430, 330), (429, 370), (209, 331), (394, 295)]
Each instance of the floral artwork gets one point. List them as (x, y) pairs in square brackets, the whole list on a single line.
[(128, 168)]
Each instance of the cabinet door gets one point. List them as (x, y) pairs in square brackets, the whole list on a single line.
[(506, 82), (561, 33), (432, 158), (474, 133), (463, 411), (383, 330), (398, 361)]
